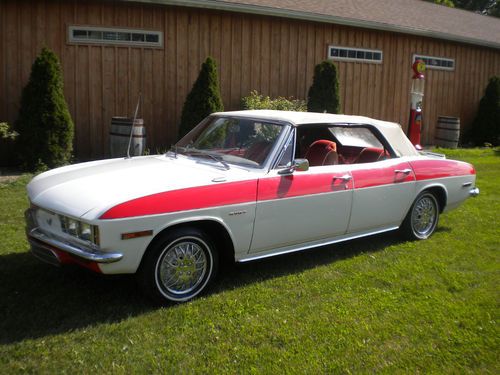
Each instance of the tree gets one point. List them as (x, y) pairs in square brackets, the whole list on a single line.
[(486, 125), (44, 123), (323, 95), (203, 99), (489, 7)]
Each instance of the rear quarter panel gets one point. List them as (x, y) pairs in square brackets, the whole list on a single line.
[(455, 177)]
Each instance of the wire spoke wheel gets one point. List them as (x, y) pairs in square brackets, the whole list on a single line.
[(183, 267), (423, 216), (179, 265)]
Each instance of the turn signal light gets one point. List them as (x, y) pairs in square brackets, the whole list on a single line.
[(144, 233)]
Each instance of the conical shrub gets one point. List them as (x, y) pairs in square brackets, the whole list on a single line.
[(203, 99), (486, 125), (323, 95), (44, 123)]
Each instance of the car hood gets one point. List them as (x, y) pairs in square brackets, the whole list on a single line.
[(87, 190)]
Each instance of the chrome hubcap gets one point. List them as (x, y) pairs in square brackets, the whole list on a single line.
[(183, 267), (424, 216)]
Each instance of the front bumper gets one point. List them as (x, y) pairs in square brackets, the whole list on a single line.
[(55, 250), (37, 238)]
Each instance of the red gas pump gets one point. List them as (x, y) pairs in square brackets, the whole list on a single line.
[(417, 95)]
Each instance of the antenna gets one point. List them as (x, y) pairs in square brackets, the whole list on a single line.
[(133, 123)]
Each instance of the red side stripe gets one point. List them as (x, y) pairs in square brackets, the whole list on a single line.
[(429, 169), (186, 199), (371, 177), (299, 185)]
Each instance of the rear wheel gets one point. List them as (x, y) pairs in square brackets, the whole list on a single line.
[(179, 265), (422, 219)]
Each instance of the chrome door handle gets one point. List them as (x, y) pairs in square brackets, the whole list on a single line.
[(405, 171), (344, 178)]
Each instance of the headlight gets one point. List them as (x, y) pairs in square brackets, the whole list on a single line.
[(84, 231), (70, 226), (79, 229)]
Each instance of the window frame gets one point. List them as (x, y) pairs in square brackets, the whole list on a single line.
[(427, 66), (355, 59), (124, 43)]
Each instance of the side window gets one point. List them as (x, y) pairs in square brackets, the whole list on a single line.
[(286, 157), (316, 144), (358, 144)]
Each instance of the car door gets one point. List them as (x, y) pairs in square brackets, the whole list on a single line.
[(383, 192), (302, 207)]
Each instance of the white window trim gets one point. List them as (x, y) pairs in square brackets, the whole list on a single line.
[(73, 40), (435, 58), (350, 59)]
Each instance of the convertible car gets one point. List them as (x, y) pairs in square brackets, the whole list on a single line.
[(242, 186)]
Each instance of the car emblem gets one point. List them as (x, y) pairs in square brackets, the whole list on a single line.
[(237, 213), (49, 221)]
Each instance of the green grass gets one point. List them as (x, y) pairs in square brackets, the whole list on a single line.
[(369, 305)]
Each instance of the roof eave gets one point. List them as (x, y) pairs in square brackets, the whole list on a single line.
[(286, 13)]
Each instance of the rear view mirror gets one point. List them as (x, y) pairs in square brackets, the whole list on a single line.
[(300, 165)]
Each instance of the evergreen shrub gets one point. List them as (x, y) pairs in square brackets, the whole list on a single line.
[(203, 99), (323, 95), (44, 123), (486, 125)]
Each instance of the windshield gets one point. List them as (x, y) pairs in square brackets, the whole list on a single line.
[(226, 140)]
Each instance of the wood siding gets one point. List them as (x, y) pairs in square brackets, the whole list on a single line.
[(271, 55)]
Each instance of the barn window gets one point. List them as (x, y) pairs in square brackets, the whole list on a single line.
[(355, 54), (104, 35), (432, 62)]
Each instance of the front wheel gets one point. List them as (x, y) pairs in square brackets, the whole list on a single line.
[(179, 265), (422, 219)]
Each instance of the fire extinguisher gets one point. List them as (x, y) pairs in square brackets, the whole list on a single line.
[(417, 95)]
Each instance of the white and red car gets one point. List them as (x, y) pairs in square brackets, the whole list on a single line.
[(243, 185)]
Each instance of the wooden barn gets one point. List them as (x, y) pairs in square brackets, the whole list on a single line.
[(112, 50)]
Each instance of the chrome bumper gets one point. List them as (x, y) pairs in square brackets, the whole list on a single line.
[(474, 192), (39, 239)]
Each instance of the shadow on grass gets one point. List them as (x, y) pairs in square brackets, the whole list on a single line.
[(39, 300)]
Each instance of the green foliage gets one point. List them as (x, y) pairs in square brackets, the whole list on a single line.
[(6, 131), (203, 99), (448, 3), (257, 101), (486, 125), (489, 7), (44, 123), (323, 94)]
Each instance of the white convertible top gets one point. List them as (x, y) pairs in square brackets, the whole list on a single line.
[(390, 130)]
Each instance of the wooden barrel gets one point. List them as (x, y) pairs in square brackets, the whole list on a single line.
[(119, 135), (447, 132)]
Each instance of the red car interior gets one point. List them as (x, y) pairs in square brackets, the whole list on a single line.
[(322, 152)]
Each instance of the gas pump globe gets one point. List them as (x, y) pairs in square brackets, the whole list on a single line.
[(417, 96)]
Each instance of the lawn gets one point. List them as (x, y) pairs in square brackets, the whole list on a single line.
[(369, 305)]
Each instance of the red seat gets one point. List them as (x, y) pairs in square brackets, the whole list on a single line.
[(322, 152), (371, 154)]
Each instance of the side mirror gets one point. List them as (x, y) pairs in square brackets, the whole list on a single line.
[(300, 165)]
